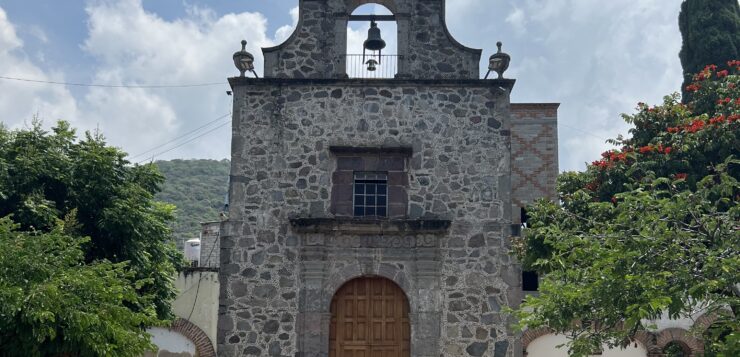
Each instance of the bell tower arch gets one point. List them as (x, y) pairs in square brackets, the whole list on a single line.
[(426, 50)]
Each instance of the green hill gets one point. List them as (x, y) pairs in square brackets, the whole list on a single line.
[(198, 189)]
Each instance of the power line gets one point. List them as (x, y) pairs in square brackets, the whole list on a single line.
[(583, 131), (113, 85), (180, 137), (183, 143)]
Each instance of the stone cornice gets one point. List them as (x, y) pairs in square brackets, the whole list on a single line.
[(507, 84), (370, 226), (371, 150)]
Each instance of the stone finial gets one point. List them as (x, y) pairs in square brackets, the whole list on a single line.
[(243, 60), (499, 62)]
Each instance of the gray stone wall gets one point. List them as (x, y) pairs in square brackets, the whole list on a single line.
[(426, 49), (277, 279)]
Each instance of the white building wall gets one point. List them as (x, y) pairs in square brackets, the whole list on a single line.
[(547, 346), (172, 342), (197, 302), (205, 313)]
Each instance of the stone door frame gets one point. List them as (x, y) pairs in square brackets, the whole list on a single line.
[(319, 287)]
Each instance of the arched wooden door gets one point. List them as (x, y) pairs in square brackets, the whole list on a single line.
[(370, 318)]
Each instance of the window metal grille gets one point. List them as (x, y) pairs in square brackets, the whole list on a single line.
[(371, 194)]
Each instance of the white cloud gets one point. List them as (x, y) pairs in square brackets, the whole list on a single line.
[(21, 101), (133, 46), (517, 20), (39, 34), (8, 38), (598, 58), (285, 31)]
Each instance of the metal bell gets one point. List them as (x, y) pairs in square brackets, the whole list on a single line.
[(374, 42), (371, 65)]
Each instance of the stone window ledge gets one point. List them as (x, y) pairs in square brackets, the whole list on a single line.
[(370, 226), (405, 151)]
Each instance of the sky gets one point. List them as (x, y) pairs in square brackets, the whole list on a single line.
[(597, 58)]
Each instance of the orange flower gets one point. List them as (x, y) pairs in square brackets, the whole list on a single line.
[(716, 120), (693, 88), (695, 126), (646, 149), (724, 101)]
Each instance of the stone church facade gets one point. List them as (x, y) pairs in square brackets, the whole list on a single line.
[(373, 217)]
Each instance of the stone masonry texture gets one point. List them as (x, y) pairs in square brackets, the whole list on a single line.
[(317, 47), (444, 137)]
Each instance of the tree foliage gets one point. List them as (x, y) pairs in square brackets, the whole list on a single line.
[(48, 177), (197, 188), (52, 303), (711, 34), (649, 229)]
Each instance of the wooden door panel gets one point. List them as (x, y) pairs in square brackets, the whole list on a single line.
[(369, 319)]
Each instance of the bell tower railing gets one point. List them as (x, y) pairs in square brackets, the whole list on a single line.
[(386, 66)]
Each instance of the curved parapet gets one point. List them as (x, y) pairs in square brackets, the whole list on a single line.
[(426, 50)]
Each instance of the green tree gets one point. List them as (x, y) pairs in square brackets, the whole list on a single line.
[(711, 35), (54, 304), (197, 188), (649, 229), (46, 176)]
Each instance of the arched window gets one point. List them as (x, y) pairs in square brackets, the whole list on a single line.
[(676, 349), (373, 64)]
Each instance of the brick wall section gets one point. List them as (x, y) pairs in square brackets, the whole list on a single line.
[(534, 153), (203, 344), (209, 244)]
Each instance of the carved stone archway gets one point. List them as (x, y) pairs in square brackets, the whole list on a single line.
[(354, 271)]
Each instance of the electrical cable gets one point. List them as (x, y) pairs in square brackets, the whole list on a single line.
[(155, 86), (183, 143), (583, 131), (180, 137)]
